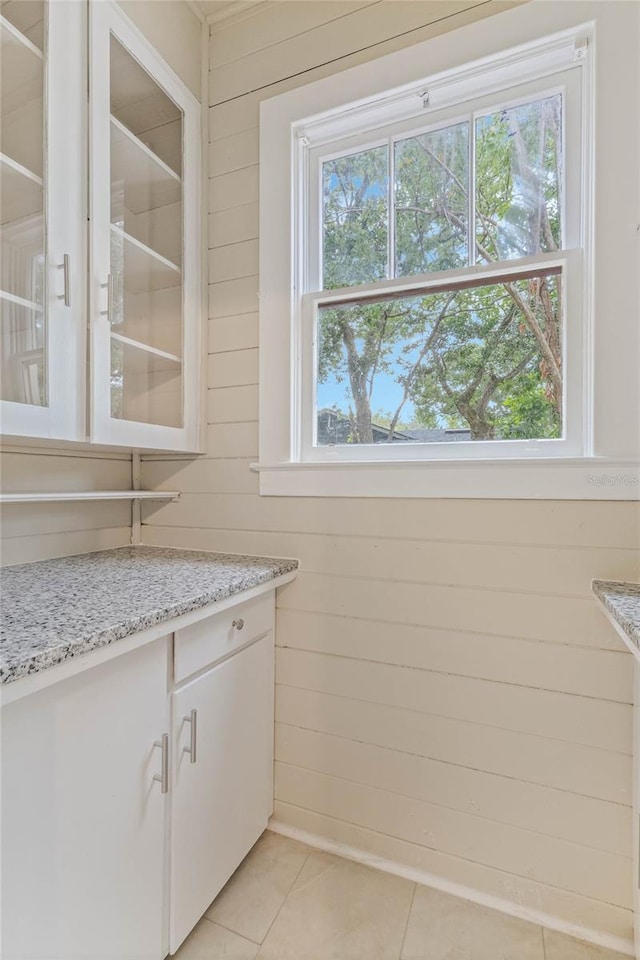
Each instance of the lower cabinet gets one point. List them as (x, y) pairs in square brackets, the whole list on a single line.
[(128, 800), (83, 820), (223, 749)]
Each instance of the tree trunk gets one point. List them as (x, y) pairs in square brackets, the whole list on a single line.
[(358, 384)]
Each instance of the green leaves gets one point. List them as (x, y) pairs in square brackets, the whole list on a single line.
[(484, 358), (354, 197)]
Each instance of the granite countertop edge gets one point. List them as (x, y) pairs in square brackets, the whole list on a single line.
[(621, 599), (229, 575)]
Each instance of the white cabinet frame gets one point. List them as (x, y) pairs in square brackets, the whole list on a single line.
[(107, 19), (65, 191)]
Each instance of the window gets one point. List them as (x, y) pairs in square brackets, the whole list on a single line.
[(433, 288), (465, 215), (467, 360)]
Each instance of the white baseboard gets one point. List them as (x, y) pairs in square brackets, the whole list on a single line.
[(608, 941)]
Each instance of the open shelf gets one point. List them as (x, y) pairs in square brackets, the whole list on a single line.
[(148, 181), (62, 497), (144, 269), (142, 357), (21, 302), (22, 64), (21, 190)]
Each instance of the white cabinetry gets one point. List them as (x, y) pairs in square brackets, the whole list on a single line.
[(133, 789), (83, 820), (140, 130), (145, 242), (222, 788), (42, 219)]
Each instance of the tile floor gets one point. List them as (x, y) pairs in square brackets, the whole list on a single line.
[(287, 901)]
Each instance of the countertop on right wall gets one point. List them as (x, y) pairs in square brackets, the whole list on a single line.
[(621, 602)]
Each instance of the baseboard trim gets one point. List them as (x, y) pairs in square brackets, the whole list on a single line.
[(608, 941)]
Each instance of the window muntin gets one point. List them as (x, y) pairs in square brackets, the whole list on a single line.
[(533, 218)]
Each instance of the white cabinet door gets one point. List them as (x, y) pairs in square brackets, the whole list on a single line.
[(83, 820), (636, 805), (145, 288), (222, 794), (43, 219)]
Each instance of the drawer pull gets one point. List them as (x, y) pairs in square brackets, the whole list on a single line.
[(192, 749), (163, 778), (238, 624)]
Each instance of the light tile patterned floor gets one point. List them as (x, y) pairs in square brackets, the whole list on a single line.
[(289, 902)]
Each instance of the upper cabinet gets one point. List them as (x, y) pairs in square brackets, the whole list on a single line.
[(127, 291), (42, 218), (145, 242)]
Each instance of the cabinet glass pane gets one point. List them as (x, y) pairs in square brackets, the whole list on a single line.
[(146, 246), (22, 210)]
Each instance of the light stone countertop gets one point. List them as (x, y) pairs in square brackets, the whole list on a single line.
[(622, 603), (53, 610)]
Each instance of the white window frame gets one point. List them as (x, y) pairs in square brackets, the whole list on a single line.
[(301, 128)]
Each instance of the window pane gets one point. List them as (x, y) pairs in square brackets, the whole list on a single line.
[(519, 172), (355, 219), (432, 201), (478, 363)]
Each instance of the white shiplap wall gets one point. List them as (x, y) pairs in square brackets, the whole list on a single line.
[(41, 531), (448, 694), (37, 532)]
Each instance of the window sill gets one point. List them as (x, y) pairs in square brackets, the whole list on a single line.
[(584, 478)]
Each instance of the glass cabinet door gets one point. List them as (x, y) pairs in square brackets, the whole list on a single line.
[(40, 67), (23, 370), (145, 273)]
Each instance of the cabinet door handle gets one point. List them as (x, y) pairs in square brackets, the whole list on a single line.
[(66, 267), (192, 749), (109, 288), (163, 777), (238, 624)]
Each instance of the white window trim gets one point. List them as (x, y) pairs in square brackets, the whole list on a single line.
[(605, 466)]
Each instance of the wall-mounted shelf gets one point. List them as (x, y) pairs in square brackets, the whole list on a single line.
[(69, 496)]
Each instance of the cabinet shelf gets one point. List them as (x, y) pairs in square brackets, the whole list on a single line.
[(144, 269), (22, 63), (71, 496), (21, 190), (142, 357), (21, 301), (148, 181)]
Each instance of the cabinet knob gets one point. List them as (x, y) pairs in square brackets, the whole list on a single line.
[(238, 624)]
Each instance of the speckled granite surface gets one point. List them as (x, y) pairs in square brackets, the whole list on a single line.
[(622, 600), (53, 610)]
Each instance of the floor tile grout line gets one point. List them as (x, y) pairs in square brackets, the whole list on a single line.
[(544, 946), (242, 936), (279, 910), (406, 926)]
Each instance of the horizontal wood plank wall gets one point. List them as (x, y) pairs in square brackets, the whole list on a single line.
[(40, 531), (448, 694)]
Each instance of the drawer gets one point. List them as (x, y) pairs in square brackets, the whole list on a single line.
[(215, 637)]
